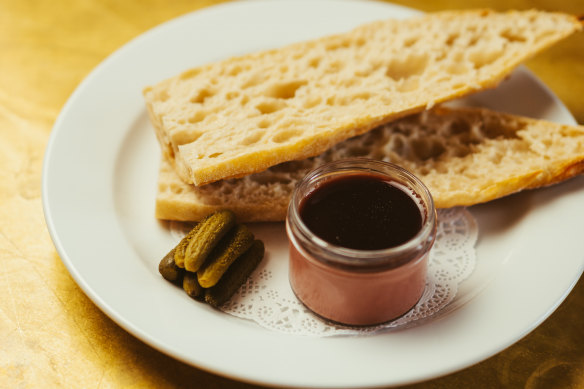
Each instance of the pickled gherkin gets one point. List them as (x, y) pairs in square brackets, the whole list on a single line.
[(214, 259), (209, 233), (238, 241), (169, 270), (179, 251), (236, 275), (192, 287)]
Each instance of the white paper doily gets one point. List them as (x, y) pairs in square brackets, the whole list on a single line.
[(267, 298)]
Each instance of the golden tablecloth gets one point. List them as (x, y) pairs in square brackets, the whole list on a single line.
[(52, 335)]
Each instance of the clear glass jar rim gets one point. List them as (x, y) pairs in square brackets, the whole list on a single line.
[(354, 258)]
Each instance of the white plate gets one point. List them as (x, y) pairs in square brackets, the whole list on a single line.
[(99, 182)]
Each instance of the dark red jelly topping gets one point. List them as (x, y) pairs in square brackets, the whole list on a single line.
[(361, 211)]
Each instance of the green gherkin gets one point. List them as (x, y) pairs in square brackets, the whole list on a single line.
[(192, 287), (210, 232), (179, 251), (169, 270), (236, 275), (233, 245), (214, 259)]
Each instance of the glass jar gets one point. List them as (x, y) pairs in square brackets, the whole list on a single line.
[(359, 286)]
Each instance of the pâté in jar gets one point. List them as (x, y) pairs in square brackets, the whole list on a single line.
[(360, 233)]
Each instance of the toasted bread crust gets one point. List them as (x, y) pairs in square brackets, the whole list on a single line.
[(465, 156), (245, 114)]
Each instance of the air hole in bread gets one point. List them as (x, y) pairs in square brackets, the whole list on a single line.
[(234, 70), (267, 107), (409, 85), (481, 58), (312, 102), (473, 41), (340, 100), (361, 96), (361, 73), (397, 145), (513, 36), (201, 96), (251, 139), (190, 74), (408, 66), (338, 43), (424, 171), (452, 38), (285, 90), (183, 137), (457, 68), (372, 138), (253, 80), (214, 155), (425, 148), (298, 54), (162, 96), (458, 127), (170, 153), (197, 117), (367, 71), (350, 82), (244, 100), (231, 95), (285, 135), (411, 41), (386, 100), (459, 152), (496, 129), (314, 62), (458, 56), (459, 85), (175, 188), (265, 123), (335, 66), (440, 56)]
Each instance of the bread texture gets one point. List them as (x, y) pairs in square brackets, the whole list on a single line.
[(465, 156), (245, 114)]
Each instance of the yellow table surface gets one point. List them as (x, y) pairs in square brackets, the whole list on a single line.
[(52, 335)]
